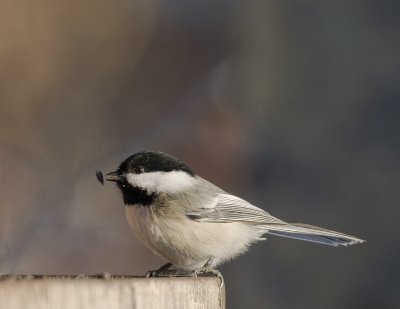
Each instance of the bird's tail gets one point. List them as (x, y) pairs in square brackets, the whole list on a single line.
[(311, 233)]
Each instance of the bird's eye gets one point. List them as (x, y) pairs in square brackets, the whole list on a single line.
[(139, 169)]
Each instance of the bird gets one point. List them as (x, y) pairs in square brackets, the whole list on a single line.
[(193, 224)]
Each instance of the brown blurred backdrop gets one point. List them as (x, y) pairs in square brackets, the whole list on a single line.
[(293, 105)]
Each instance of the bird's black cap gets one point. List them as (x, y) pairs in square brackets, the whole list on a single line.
[(151, 161)]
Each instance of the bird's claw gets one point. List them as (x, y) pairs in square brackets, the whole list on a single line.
[(209, 271), (161, 273)]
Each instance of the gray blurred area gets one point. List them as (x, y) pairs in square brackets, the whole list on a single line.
[(292, 105)]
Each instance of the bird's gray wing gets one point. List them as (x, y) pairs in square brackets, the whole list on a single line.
[(229, 208), (226, 208)]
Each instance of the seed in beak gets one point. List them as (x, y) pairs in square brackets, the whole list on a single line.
[(99, 176)]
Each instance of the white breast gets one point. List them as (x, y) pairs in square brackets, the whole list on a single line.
[(188, 244)]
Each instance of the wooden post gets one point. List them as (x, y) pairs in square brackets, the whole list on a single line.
[(109, 292)]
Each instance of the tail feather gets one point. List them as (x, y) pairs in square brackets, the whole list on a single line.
[(312, 234)]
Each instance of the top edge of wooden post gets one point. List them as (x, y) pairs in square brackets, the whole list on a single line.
[(110, 291)]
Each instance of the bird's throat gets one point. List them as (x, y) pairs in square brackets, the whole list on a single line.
[(137, 196)]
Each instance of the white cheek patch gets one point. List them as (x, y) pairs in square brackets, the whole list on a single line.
[(168, 182)]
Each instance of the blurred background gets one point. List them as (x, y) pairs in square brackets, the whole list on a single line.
[(292, 105)]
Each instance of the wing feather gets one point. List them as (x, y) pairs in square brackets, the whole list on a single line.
[(230, 208)]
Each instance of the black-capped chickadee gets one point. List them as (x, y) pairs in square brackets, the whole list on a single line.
[(193, 224)]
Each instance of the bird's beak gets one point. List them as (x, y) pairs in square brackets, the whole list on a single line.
[(113, 176)]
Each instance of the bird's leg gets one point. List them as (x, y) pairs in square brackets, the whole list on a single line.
[(209, 262), (164, 267), (163, 271)]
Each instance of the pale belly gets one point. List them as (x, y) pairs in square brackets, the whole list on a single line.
[(188, 244)]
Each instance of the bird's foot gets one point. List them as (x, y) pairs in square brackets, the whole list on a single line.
[(163, 271), (205, 271), (208, 272)]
